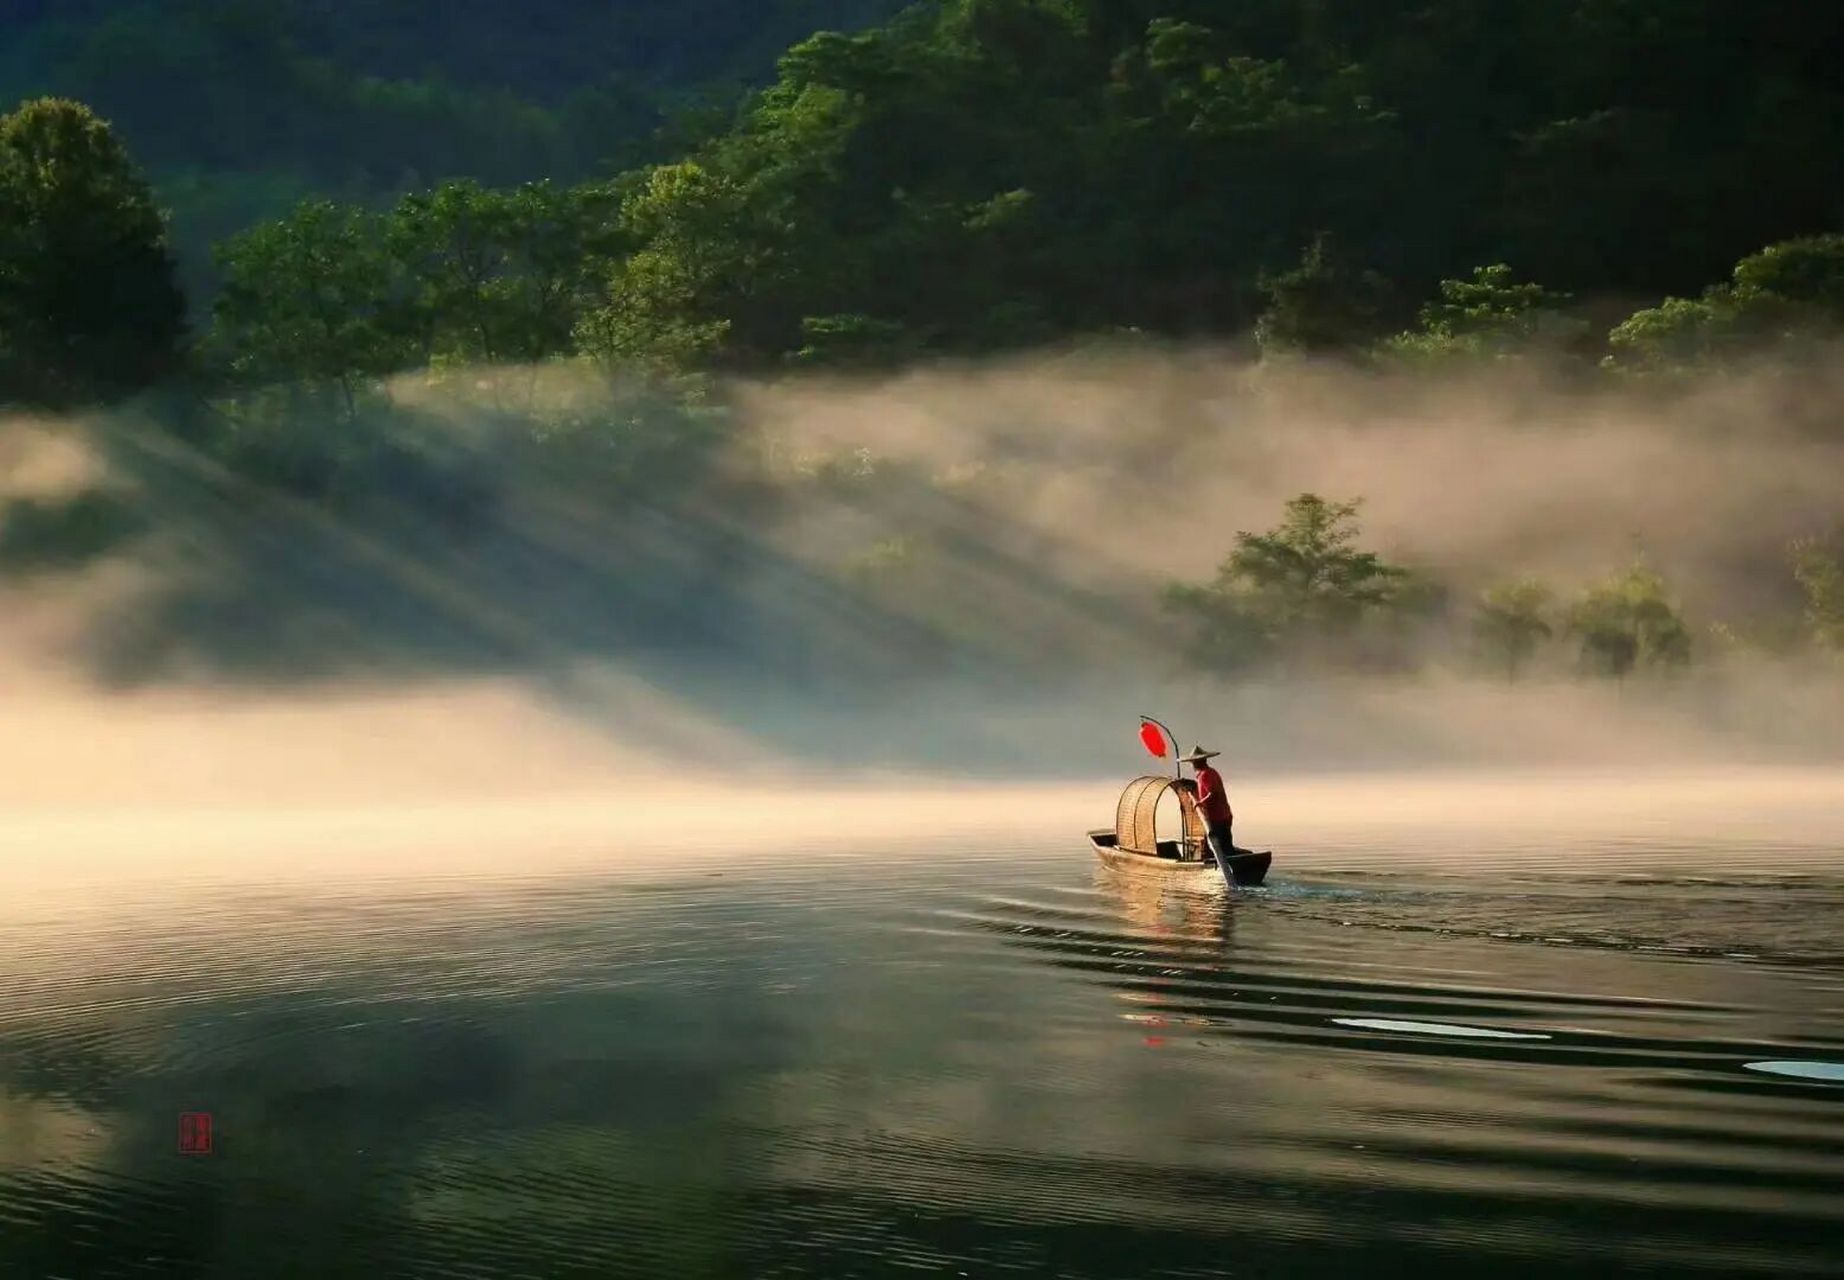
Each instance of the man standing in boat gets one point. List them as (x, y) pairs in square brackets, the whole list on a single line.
[(1212, 804)]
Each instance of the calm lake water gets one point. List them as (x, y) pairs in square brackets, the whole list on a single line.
[(1459, 1047)]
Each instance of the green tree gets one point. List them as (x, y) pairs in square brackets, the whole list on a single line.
[(835, 341), (1171, 151), (1681, 333), (1629, 622), (675, 300), (1302, 582), (1510, 622), (1325, 304), (315, 301), (502, 276), (1808, 271), (1492, 314), (88, 304), (1214, 146), (1784, 293)]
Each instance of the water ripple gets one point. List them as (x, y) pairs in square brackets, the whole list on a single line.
[(983, 1060)]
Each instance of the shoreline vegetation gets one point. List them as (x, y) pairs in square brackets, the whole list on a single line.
[(986, 181)]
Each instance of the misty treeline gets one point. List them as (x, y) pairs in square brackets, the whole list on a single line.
[(1623, 192), (1307, 594)]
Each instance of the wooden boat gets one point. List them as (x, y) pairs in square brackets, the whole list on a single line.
[(1136, 845)]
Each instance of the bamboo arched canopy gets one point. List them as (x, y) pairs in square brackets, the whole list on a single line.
[(1136, 819)]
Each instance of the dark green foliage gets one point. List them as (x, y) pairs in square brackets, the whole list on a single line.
[(501, 276), (1001, 172), (314, 312), (993, 173), (991, 178), (88, 304), (1324, 304), (320, 310), (360, 93), (334, 297), (690, 284), (1808, 272), (845, 341), (1490, 315), (242, 108), (316, 301), (1781, 295)]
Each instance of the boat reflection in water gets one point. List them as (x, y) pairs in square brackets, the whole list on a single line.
[(1171, 908)]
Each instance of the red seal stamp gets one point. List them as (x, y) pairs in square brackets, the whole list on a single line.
[(195, 1133)]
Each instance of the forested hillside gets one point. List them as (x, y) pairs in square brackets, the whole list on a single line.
[(973, 175), (1021, 168), (239, 108), (1116, 162), (481, 220)]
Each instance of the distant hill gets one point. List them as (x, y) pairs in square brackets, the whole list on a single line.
[(239, 108)]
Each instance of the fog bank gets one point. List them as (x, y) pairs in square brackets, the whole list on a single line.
[(955, 571)]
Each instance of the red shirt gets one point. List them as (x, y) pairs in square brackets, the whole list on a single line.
[(1212, 800)]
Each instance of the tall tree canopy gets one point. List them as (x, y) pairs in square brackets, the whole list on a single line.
[(993, 172), (88, 304)]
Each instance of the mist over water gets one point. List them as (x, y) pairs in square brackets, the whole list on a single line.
[(672, 886), (1154, 462), (928, 1031), (945, 570)]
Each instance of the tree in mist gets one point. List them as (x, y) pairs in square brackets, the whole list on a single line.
[(1301, 582), (1510, 623), (1629, 622), (622, 436), (88, 303), (315, 303), (1492, 314), (313, 314), (1820, 575), (1783, 294), (1324, 304), (1680, 333)]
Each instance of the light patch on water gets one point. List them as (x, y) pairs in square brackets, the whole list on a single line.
[(39, 1133), (1438, 1029), (1830, 1071)]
